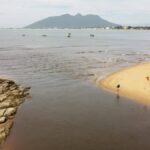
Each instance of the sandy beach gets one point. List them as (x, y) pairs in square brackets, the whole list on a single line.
[(132, 82)]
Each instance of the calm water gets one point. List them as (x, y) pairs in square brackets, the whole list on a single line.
[(67, 111)]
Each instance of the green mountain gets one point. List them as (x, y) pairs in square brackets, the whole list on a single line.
[(69, 21)]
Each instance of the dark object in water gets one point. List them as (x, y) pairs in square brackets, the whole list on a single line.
[(23, 35), (44, 35), (92, 35), (69, 35), (90, 74)]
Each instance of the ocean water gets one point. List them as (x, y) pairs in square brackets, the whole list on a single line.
[(67, 111)]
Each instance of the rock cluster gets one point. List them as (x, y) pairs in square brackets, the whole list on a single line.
[(11, 96)]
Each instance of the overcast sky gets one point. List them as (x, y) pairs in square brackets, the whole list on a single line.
[(18, 13)]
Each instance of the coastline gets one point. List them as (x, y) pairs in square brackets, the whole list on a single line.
[(133, 82), (11, 96)]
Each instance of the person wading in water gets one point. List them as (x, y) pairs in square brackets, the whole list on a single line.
[(118, 88)]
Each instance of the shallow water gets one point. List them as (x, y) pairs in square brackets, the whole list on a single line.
[(66, 110)]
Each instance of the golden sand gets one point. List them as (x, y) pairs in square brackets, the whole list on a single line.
[(132, 82)]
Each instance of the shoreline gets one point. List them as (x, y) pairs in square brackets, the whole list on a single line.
[(12, 96), (133, 82)]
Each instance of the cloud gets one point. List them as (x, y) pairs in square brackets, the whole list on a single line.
[(17, 13)]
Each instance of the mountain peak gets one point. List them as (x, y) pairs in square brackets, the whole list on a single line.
[(69, 21), (78, 15), (66, 15)]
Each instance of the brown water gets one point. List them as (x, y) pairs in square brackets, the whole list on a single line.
[(67, 111)]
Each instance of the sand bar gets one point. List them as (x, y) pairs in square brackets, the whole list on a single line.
[(132, 82)]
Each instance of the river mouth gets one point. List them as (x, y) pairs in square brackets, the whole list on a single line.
[(66, 110)]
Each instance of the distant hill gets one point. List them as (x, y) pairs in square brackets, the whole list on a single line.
[(69, 21)]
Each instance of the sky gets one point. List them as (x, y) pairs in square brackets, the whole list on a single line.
[(19, 13)]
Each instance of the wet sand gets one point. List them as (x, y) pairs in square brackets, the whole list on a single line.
[(132, 82)]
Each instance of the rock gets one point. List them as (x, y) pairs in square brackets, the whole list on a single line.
[(10, 111), (10, 82), (17, 102), (2, 80), (2, 129), (11, 96), (5, 86), (8, 125), (14, 87), (1, 89), (4, 104), (24, 92), (2, 119), (3, 97), (2, 137), (15, 92), (27, 89), (2, 111)]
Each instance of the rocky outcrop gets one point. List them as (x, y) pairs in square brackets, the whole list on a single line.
[(11, 96)]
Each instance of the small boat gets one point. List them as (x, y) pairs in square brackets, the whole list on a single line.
[(69, 35), (44, 35), (92, 35)]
